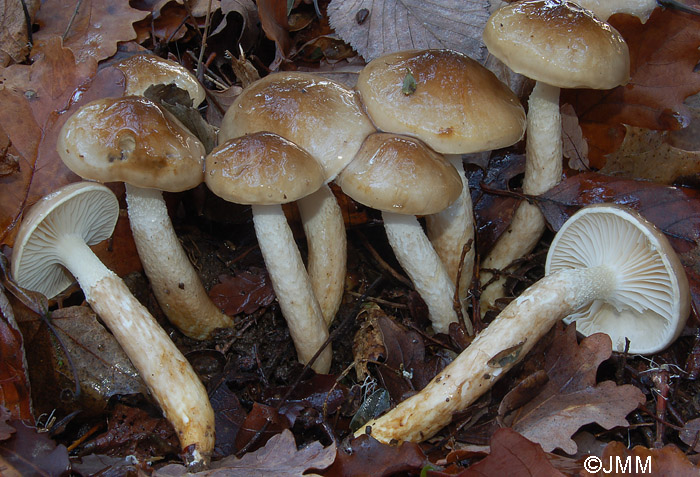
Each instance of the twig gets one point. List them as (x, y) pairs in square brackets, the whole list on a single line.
[(72, 19), (382, 263)]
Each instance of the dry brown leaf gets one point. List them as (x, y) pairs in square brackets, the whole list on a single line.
[(14, 25), (375, 27), (280, 457), (574, 145), (571, 398), (89, 28), (647, 154)]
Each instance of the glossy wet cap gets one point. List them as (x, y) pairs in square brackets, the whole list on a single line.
[(87, 209), (558, 43), (400, 174), (651, 301), (144, 70), (321, 116), (262, 168), (442, 97), (133, 140)]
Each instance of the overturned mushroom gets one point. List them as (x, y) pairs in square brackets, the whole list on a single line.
[(560, 45), (614, 270), (52, 247), (131, 139), (265, 170)]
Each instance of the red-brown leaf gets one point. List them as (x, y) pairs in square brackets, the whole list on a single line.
[(669, 461)]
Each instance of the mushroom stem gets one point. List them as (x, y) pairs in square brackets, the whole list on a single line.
[(451, 229), (325, 235), (174, 281), (167, 373), (492, 353), (543, 168), (419, 260), (291, 284)]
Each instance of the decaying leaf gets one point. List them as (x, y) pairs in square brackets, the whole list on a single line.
[(89, 28), (14, 379), (512, 454), (574, 145), (243, 292), (571, 398), (647, 154), (29, 452), (375, 27), (690, 433), (663, 54), (279, 457), (367, 456), (618, 461), (15, 27), (37, 99)]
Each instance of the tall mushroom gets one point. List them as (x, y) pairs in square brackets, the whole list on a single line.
[(52, 247), (454, 105), (265, 170), (402, 177), (614, 270), (560, 45), (131, 139), (324, 118)]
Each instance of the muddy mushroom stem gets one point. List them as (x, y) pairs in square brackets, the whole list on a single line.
[(456, 106), (265, 170), (325, 119), (132, 139), (402, 177), (610, 270), (52, 247), (560, 45)]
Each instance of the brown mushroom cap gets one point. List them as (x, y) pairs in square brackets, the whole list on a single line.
[(321, 116), (558, 43), (400, 174), (144, 70), (262, 168), (133, 140), (458, 106)]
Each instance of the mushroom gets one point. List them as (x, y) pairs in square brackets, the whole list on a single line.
[(608, 266), (52, 247), (604, 9), (560, 45), (131, 139), (454, 105), (265, 170), (324, 118), (402, 177), (145, 70)]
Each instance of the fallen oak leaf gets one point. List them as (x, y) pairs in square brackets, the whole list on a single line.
[(89, 28), (14, 41), (571, 398), (14, 379), (37, 99), (375, 27), (29, 452), (279, 457), (243, 292), (513, 455), (365, 455)]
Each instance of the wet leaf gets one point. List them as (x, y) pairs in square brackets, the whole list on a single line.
[(689, 433), (273, 18), (513, 455), (14, 41), (89, 28), (571, 398), (37, 99), (375, 27), (243, 292), (29, 452), (367, 456), (228, 418)]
